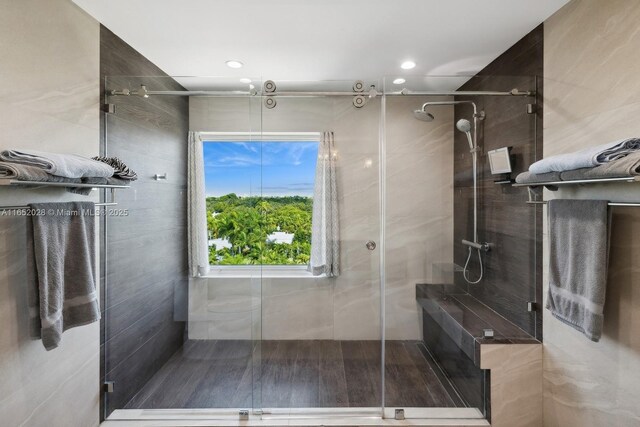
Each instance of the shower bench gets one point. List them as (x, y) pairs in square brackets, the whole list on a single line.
[(489, 361), (467, 321)]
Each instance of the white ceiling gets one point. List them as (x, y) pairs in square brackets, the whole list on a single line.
[(320, 39)]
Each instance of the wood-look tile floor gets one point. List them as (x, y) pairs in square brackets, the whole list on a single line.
[(296, 374)]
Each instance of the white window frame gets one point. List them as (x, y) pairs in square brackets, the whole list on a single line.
[(256, 271)]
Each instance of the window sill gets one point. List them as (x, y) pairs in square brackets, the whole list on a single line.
[(256, 271)]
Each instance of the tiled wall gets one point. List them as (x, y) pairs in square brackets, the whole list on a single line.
[(591, 97), (146, 286), (512, 269), (419, 172), (49, 99)]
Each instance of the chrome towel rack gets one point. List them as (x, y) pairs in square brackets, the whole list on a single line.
[(630, 204), (18, 208), (579, 181), (16, 183), (58, 184), (532, 196)]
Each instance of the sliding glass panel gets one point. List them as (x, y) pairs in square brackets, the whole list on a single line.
[(321, 326), (172, 340), (438, 305), (230, 129)]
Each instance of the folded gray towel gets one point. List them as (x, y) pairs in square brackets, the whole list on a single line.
[(527, 177), (65, 165), (578, 259), (587, 158), (64, 256), (29, 173), (533, 178), (626, 166)]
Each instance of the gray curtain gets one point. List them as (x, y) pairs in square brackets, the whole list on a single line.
[(197, 211), (325, 237)]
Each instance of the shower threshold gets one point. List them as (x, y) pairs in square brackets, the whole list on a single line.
[(295, 416)]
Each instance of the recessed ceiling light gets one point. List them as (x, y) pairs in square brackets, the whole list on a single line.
[(245, 81), (399, 81), (234, 64), (407, 65)]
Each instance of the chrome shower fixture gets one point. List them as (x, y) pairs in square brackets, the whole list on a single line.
[(423, 115), (464, 126)]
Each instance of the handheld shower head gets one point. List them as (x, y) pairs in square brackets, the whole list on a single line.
[(423, 115), (464, 125)]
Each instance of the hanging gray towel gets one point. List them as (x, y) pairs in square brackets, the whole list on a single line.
[(64, 257), (578, 259)]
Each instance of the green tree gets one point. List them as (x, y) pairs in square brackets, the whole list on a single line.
[(247, 221)]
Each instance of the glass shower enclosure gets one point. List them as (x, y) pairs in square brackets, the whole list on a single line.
[(326, 204)]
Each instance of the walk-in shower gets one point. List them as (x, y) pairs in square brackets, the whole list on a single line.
[(268, 339), (464, 126)]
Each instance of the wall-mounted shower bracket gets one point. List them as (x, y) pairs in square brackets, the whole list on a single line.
[(480, 115)]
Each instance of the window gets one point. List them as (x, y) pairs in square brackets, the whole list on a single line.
[(259, 198)]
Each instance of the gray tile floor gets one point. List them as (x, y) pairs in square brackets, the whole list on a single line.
[(304, 373)]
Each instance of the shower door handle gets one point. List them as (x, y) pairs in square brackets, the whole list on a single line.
[(371, 245)]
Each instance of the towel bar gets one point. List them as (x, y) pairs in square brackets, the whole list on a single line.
[(6, 181), (15, 182), (579, 181), (17, 208), (533, 202)]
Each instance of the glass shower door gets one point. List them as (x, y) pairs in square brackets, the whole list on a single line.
[(321, 329), (172, 341), (441, 303)]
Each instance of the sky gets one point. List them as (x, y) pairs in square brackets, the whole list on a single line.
[(260, 168)]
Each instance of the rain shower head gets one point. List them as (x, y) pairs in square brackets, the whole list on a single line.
[(423, 115)]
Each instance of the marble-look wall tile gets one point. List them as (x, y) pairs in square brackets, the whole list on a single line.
[(591, 94), (419, 209), (294, 308), (223, 308), (49, 100)]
